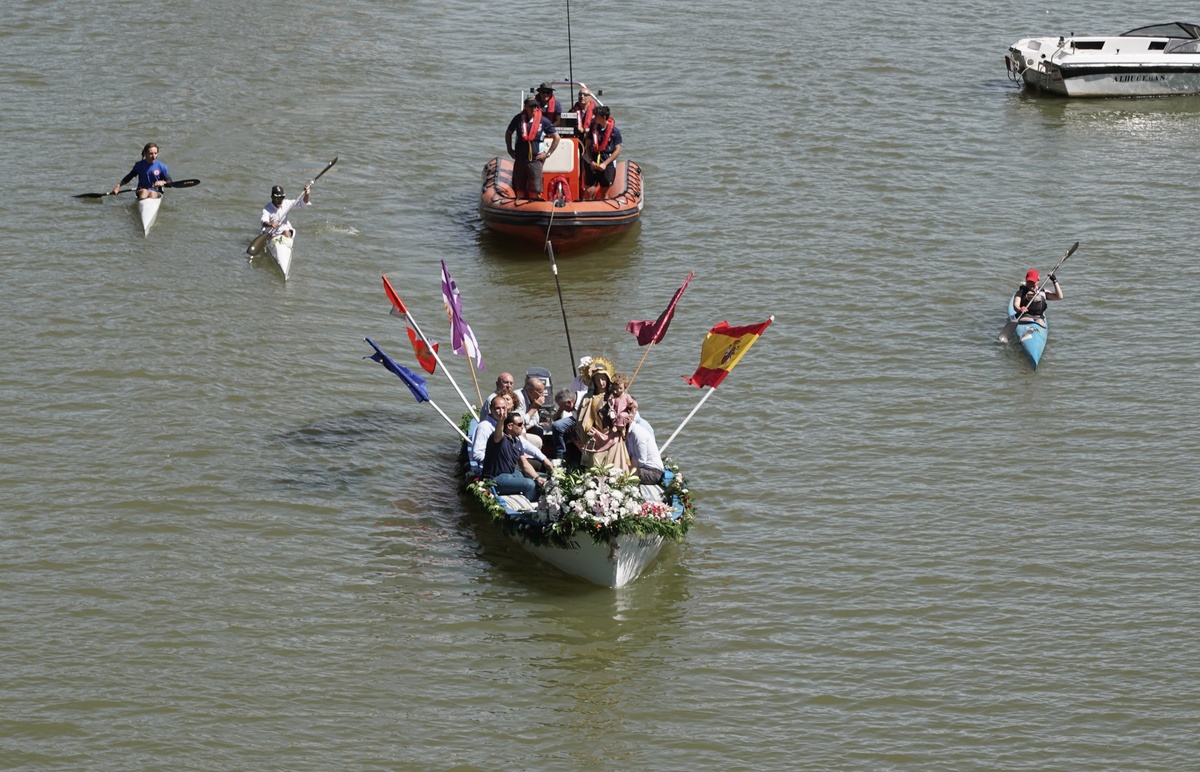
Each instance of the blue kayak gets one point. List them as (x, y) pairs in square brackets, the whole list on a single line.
[(1031, 333)]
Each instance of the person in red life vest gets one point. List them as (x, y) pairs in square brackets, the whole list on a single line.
[(601, 147), (1028, 300), (529, 127), (585, 110), (549, 103)]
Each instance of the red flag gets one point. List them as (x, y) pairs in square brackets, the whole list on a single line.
[(424, 355), (422, 349), (723, 347), (653, 332), (400, 310)]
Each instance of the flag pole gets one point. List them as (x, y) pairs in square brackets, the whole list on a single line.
[(639, 367), (478, 393), (403, 309), (707, 394), (460, 431)]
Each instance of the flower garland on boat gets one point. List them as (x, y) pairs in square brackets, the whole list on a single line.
[(601, 502)]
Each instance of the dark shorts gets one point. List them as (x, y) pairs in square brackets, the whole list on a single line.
[(527, 176), (649, 476), (604, 179)]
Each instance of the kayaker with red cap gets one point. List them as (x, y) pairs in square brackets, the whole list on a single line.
[(1030, 298)]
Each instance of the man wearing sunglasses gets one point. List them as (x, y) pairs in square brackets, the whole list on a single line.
[(504, 462), (275, 214)]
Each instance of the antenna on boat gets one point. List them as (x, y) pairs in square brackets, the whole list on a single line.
[(554, 267), (570, 66)]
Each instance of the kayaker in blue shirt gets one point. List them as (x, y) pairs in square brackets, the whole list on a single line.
[(151, 174), (1029, 300)]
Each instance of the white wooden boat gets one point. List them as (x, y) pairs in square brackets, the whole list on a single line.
[(1156, 60), (280, 248), (148, 212), (611, 561), (609, 540)]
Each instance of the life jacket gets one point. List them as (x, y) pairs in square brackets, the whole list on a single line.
[(585, 120), (597, 144), (1035, 303), (530, 130)]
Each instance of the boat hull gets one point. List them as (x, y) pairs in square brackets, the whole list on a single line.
[(575, 224), (148, 213), (1032, 338), (1031, 335), (611, 563), (280, 248), (1113, 66)]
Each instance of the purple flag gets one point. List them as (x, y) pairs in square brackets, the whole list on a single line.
[(461, 336), (414, 382), (653, 332)]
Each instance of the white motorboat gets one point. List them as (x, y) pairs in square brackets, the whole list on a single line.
[(280, 248), (148, 212), (1156, 60)]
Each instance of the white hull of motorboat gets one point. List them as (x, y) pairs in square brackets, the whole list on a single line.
[(148, 213), (1161, 60), (280, 248), (612, 563)]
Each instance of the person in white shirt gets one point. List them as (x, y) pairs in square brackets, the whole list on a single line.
[(643, 451), (274, 217)]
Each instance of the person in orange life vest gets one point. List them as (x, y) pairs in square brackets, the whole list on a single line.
[(601, 146), (585, 110), (529, 127), (551, 108), (1028, 300)]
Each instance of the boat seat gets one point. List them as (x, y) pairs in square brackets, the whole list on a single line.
[(652, 493), (564, 159), (518, 503)]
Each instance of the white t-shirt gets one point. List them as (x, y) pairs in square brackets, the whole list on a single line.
[(270, 210)]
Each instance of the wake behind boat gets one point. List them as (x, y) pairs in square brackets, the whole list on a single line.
[(565, 213), (1156, 60)]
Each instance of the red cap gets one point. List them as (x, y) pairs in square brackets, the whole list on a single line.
[(1032, 275)]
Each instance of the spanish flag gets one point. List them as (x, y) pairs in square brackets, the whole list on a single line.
[(724, 346)]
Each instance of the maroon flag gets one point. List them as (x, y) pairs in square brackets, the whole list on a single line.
[(652, 332)]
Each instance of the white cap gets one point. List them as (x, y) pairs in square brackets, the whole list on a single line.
[(585, 361)]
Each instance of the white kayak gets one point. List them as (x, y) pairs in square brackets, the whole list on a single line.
[(148, 212), (280, 248)]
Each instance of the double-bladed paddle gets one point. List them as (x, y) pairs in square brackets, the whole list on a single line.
[(261, 239), (1011, 325), (173, 184)]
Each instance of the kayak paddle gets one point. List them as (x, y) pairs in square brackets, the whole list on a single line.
[(175, 184)]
